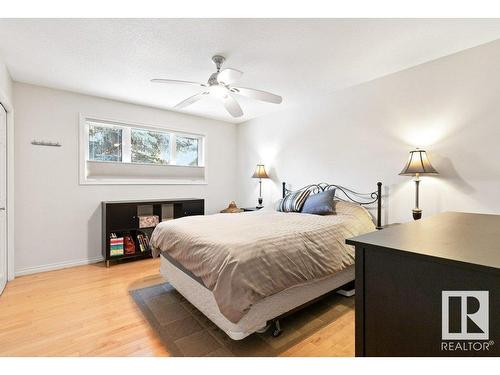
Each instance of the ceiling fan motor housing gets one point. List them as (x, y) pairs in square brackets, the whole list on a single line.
[(213, 79), (218, 60)]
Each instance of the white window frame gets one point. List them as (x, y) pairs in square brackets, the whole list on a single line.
[(126, 152)]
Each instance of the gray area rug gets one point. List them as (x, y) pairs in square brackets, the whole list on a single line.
[(186, 332)]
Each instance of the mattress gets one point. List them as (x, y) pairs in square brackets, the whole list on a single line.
[(259, 314)]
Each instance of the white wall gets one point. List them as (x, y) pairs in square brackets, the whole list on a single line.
[(58, 221), (361, 135)]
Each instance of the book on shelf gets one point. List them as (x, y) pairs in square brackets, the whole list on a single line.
[(143, 242), (115, 245), (129, 245)]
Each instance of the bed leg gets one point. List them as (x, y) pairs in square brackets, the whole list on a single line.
[(348, 290), (276, 328)]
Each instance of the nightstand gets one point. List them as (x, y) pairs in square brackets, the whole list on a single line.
[(248, 209)]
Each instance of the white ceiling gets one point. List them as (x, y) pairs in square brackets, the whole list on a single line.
[(298, 59)]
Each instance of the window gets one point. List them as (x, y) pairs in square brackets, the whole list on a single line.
[(151, 147), (186, 151), (105, 143), (115, 152)]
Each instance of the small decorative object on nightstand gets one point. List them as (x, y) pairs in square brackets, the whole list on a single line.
[(418, 164), (260, 173), (231, 209)]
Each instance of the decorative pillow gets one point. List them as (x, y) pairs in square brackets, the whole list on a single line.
[(319, 204), (293, 201)]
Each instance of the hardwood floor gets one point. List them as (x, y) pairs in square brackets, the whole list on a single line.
[(87, 311)]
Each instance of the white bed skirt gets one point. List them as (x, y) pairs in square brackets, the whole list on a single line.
[(259, 314)]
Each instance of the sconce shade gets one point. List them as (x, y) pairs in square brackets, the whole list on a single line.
[(418, 163), (260, 172)]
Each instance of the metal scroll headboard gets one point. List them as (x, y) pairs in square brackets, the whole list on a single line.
[(348, 195)]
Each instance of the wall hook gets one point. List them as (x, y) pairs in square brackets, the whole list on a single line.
[(44, 143)]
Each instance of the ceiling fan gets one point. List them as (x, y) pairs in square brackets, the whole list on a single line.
[(219, 85)]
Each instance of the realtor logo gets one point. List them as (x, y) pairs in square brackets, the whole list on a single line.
[(465, 315)]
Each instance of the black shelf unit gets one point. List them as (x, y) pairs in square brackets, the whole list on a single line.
[(122, 217)]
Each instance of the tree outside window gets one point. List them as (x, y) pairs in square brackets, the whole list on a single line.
[(186, 151), (105, 143), (150, 147)]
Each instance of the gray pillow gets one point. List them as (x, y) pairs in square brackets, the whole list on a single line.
[(319, 204)]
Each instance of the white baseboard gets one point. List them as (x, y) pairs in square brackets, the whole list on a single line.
[(58, 266)]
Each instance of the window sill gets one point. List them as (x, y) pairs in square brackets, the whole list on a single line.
[(115, 173), (140, 182)]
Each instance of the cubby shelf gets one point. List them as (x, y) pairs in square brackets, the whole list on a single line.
[(122, 218)]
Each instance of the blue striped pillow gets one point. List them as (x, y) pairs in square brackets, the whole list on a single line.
[(293, 202)]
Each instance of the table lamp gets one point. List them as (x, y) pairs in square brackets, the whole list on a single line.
[(260, 173), (418, 164)]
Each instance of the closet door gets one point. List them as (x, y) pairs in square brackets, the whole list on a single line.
[(3, 198)]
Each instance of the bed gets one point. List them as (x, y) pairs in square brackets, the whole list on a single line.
[(246, 270)]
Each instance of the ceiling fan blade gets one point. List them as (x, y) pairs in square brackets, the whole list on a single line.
[(175, 81), (228, 76), (190, 100), (232, 106), (257, 94)]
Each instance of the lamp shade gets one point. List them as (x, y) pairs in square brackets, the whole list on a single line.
[(418, 163), (260, 172)]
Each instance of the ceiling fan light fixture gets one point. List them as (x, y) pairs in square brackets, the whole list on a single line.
[(218, 91)]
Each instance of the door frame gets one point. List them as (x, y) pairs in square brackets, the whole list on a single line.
[(6, 102)]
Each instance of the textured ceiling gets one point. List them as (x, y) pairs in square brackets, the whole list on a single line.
[(297, 59)]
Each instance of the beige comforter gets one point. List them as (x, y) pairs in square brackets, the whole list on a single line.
[(243, 258)]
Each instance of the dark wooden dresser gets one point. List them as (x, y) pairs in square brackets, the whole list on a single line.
[(429, 287)]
